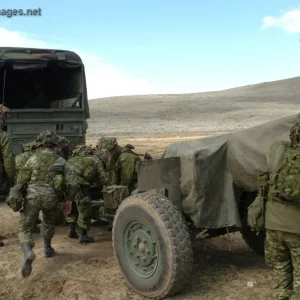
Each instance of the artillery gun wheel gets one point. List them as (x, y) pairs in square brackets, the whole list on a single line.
[(152, 245), (255, 241)]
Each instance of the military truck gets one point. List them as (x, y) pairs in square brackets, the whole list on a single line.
[(43, 89), (198, 189)]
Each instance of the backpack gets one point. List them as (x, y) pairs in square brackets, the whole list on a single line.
[(284, 184)]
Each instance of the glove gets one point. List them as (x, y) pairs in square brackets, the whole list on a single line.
[(10, 182)]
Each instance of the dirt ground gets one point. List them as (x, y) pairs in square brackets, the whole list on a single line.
[(224, 267)]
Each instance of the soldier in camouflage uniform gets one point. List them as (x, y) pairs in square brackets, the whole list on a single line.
[(21, 159), (65, 151), (126, 167), (90, 171), (110, 144), (282, 222), (45, 177), (7, 163)]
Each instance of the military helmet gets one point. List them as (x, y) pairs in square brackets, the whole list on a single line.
[(54, 140), (107, 143), (82, 150), (44, 134), (295, 134), (64, 143)]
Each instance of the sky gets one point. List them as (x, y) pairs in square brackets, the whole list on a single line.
[(134, 47)]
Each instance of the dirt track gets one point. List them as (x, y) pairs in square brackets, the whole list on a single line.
[(90, 272)]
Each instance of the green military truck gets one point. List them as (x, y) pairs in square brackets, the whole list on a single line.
[(42, 89), (199, 189)]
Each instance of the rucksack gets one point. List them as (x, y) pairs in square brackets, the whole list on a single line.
[(284, 184)]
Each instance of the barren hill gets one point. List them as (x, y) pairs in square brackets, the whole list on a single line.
[(226, 110)]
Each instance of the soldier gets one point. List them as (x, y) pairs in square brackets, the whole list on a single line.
[(90, 172), (21, 159), (126, 168), (45, 177), (7, 163), (110, 144), (282, 218), (64, 146)]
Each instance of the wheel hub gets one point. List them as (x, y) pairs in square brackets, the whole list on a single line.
[(141, 248)]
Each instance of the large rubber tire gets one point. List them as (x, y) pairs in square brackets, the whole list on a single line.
[(255, 241), (155, 218)]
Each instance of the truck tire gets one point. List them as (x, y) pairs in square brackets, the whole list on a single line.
[(255, 241), (152, 245)]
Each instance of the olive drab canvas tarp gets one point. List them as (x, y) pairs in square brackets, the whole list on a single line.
[(214, 170)]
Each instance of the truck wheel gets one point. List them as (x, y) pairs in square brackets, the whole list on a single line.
[(255, 241), (152, 245)]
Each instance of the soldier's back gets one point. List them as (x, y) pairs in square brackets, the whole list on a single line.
[(84, 168)]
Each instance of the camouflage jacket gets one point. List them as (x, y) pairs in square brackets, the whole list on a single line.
[(8, 158), (89, 170), (126, 167), (47, 172), (21, 160)]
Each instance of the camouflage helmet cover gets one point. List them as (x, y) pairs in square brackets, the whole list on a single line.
[(64, 143), (44, 134), (52, 140), (107, 143), (82, 150), (295, 134)]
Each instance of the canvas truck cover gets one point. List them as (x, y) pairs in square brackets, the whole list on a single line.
[(215, 169), (35, 58)]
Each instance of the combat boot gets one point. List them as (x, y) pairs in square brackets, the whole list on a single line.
[(29, 257), (72, 234), (84, 238), (49, 251)]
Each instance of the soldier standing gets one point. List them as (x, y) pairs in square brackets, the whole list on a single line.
[(282, 221), (89, 169), (45, 177), (7, 163)]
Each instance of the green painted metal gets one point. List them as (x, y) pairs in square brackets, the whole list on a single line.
[(141, 248)]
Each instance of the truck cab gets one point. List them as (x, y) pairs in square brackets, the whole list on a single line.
[(42, 89)]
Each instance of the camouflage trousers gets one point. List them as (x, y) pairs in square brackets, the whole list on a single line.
[(33, 204), (282, 252), (81, 212)]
